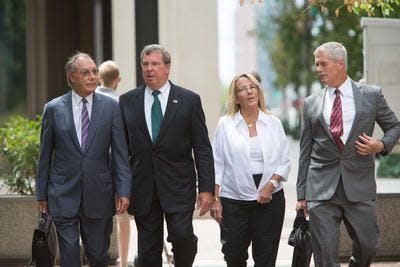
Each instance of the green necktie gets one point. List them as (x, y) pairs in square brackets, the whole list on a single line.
[(156, 116)]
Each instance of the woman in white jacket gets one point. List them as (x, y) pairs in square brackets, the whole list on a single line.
[(251, 161)]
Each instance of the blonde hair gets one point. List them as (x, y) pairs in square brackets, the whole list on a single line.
[(233, 106), (108, 73)]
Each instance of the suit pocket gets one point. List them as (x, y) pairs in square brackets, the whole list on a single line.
[(185, 169), (106, 177), (57, 179)]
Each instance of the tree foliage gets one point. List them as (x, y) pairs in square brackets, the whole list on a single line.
[(389, 166), (370, 8), (19, 150), (290, 46), (302, 28), (12, 56)]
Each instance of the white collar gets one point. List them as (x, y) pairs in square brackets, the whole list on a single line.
[(238, 118), (76, 99), (163, 90), (346, 89)]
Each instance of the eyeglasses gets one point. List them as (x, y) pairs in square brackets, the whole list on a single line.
[(86, 73), (246, 89)]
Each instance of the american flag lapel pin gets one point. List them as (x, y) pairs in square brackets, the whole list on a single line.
[(175, 101)]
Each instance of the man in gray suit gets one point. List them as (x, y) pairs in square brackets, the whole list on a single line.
[(76, 183), (336, 179)]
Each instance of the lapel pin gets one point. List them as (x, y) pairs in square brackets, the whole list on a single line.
[(175, 101)]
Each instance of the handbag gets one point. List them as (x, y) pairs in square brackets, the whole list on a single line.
[(300, 239), (44, 242)]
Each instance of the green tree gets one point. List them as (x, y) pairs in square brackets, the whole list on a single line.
[(290, 46), (299, 29), (19, 150), (12, 56), (370, 8)]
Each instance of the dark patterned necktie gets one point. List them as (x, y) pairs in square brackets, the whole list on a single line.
[(156, 116), (84, 123), (336, 122)]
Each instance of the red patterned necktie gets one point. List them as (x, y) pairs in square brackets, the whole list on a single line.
[(336, 122)]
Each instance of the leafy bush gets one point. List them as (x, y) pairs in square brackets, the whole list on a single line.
[(19, 150), (389, 166)]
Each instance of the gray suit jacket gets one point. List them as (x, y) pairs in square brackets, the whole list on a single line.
[(321, 162), (69, 178)]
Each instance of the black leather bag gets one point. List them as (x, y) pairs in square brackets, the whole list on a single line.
[(300, 239), (44, 242)]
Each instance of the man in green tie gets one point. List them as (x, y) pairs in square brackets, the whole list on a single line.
[(165, 126)]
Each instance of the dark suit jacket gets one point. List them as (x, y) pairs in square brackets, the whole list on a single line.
[(322, 163), (167, 167), (69, 177)]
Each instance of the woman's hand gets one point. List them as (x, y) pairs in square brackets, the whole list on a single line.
[(216, 209), (265, 195)]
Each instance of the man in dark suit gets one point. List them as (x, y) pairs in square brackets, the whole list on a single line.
[(336, 179), (165, 124), (76, 182)]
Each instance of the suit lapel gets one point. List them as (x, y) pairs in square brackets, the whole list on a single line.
[(70, 119), (321, 103), (97, 109), (174, 102), (358, 99), (138, 103)]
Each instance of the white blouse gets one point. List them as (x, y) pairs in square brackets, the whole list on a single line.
[(256, 155), (232, 155)]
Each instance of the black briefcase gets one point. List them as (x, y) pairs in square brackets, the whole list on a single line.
[(44, 242), (300, 239)]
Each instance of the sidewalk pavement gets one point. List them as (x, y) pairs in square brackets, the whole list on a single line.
[(209, 248)]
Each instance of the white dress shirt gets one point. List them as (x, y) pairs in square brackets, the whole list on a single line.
[(231, 150), (107, 92), (348, 107), (149, 99), (77, 105)]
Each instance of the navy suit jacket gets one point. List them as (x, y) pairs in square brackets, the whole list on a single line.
[(167, 168), (70, 178)]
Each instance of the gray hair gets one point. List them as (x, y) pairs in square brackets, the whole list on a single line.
[(148, 49), (70, 65), (334, 50)]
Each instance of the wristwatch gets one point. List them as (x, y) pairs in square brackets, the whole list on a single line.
[(274, 182)]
